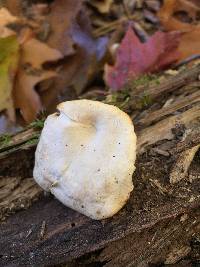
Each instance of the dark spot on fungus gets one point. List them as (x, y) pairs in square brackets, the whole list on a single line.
[(82, 206), (72, 224), (116, 181), (66, 145), (113, 156), (98, 170), (119, 143), (81, 145), (57, 113), (94, 150)]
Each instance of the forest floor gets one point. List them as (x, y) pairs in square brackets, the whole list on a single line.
[(140, 55)]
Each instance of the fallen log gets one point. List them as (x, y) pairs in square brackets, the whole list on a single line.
[(161, 221)]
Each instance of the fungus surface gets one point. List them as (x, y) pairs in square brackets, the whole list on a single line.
[(85, 157)]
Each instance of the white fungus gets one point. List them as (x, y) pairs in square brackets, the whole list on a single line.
[(85, 157)]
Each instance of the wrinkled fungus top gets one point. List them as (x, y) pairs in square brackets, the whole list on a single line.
[(86, 157)]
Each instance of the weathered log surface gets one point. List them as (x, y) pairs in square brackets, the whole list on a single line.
[(159, 223), (68, 236), (17, 193)]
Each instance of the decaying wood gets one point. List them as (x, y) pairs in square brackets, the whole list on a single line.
[(17, 193), (190, 139), (158, 223), (181, 166), (183, 102), (163, 243), (167, 86), (69, 235), (163, 129), (19, 140)]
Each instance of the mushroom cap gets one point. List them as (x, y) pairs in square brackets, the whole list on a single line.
[(85, 157)]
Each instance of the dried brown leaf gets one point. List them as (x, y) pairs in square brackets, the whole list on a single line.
[(37, 53), (189, 41), (79, 69), (61, 19), (9, 58), (34, 54), (25, 96), (6, 17)]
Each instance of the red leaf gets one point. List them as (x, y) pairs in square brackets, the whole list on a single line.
[(135, 58)]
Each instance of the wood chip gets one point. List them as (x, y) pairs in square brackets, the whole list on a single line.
[(180, 168)]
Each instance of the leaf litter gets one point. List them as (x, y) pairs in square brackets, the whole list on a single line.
[(58, 58)]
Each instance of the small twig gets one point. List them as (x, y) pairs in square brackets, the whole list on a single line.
[(140, 31), (93, 94), (29, 233), (157, 184), (42, 230), (187, 60), (111, 26), (126, 10)]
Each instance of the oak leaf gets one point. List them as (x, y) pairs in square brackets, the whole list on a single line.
[(33, 55), (134, 58), (189, 41), (21, 68), (6, 17), (61, 19), (9, 56)]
